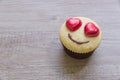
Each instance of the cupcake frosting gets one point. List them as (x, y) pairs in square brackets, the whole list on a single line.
[(77, 40)]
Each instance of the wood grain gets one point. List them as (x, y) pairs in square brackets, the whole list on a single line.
[(29, 40)]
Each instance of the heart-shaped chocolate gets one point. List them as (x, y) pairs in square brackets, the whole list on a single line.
[(73, 24), (91, 30)]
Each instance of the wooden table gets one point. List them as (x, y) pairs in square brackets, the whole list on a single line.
[(29, 40)]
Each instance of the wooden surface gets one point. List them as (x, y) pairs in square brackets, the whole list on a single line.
[(29, 43)]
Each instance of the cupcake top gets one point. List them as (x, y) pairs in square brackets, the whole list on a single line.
[(80, 35)]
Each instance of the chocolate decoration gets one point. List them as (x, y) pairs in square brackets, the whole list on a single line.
[(91, 30), (76, 41), (73, 24)]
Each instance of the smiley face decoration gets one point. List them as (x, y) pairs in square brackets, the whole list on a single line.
[(80, 36)]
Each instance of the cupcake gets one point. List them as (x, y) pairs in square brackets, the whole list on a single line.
[(80, 36)]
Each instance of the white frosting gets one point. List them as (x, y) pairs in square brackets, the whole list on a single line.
[(79, 35)]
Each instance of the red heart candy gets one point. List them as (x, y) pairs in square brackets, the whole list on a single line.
[(91, 30), (73, 24)]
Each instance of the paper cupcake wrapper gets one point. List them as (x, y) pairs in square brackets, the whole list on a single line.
[(78, 55)]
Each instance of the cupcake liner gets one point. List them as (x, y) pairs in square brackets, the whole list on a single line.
[(78, 55)]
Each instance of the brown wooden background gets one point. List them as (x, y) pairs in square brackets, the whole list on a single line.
[(29, 43)]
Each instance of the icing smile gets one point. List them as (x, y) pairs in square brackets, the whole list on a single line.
[(77, 42)]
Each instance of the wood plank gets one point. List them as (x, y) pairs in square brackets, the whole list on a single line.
[(29, 40)]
